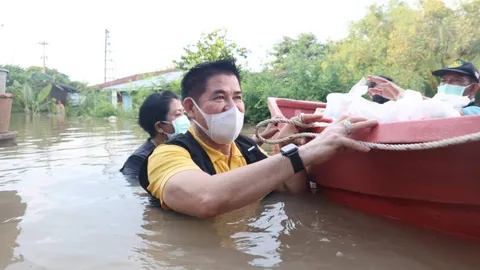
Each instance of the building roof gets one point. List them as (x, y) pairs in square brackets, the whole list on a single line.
[(64, 87), (145, 80)]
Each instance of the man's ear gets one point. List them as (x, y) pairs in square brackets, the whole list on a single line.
[(188, 106), (472, 90)]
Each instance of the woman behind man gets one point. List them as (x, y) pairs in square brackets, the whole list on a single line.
[(162, 116)]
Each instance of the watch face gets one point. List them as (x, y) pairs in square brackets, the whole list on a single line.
[(289, 148)]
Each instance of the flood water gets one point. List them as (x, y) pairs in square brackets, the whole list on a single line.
[(65, 205)]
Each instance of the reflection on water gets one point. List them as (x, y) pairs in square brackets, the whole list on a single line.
[(64, 205), (11, 211)]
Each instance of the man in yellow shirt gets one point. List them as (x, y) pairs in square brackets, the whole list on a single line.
[(213, 169)]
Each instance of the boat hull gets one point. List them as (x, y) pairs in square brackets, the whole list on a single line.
[(438, 189)]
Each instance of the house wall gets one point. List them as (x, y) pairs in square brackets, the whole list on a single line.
[(114, 98), (58, 94), (127, 102), (75, 99)]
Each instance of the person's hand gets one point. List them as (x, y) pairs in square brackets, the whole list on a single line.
[(334, 139), (384, 88), (290, 129), (269, 132)]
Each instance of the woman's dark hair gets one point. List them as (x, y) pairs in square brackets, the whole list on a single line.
[(155, 108)]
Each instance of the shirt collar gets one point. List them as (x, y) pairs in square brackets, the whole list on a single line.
[(214, 154)]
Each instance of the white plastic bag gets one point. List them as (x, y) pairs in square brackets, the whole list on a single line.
[(352, 103), (338, 103), (410, 107), (406, 108), (457, 101)]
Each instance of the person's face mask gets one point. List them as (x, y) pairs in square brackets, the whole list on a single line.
[(224, 127), (451, 89), (180, 126)]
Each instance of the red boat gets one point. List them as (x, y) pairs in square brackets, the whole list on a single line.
[(437, 189)]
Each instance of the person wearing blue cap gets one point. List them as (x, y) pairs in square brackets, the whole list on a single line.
[(458, 78)]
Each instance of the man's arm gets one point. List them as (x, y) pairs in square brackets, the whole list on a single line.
[(197, 193), (180, 184), (297, 184), (386, 88)]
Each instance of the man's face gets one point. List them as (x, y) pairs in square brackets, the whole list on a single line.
[(455, 79), (460, 80), (221, 94)]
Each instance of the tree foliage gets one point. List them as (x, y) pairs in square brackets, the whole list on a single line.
[(33, 93), (27, 83), (211, 47), (304, 48)]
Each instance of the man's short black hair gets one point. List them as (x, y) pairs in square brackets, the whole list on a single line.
[(195, 80), (155, 108)]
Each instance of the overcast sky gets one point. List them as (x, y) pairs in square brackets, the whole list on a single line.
[(147, 35)]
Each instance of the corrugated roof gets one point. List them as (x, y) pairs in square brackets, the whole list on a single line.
[(133, 77), (66, 88), (154, 81)]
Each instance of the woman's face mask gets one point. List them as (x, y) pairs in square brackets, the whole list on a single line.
[(180, 126)]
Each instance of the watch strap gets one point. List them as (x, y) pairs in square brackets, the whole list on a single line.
[(295, 159)]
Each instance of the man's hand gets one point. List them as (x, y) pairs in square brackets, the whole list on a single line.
[(290, 129), (385, 88), (334, 139), (269, 132)]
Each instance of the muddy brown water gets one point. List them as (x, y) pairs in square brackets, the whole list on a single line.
[(64, 205)]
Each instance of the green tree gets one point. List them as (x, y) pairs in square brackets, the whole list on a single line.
[(304, 47), (36, 79), (34, 92), (15, 73), (211, 47)]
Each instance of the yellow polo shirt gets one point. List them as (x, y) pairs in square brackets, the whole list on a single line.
[(168, 160)]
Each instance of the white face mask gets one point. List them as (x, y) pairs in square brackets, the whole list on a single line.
[(224, 127)]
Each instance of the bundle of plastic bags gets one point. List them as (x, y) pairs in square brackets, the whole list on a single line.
[(411, 106)]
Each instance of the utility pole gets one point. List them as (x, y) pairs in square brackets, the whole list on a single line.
[(2, 39), (44, 56), (107, 56)]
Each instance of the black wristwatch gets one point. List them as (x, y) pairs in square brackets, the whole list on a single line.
[(291, 151)]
